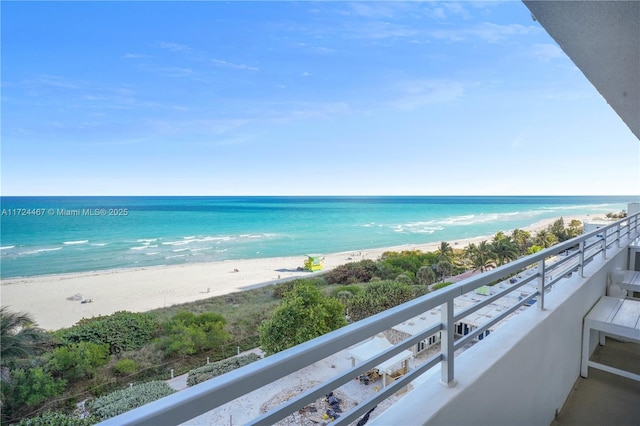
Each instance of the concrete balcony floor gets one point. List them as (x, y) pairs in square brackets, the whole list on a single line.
[(604, 398)]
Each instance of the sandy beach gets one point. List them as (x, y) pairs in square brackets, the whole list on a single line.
[(49, 299)]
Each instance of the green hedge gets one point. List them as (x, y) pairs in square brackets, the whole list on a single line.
[(214, 369), (124, 400), (122, 331), (53, 418)]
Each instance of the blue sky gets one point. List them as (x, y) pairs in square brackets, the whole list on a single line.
[(303, 98)]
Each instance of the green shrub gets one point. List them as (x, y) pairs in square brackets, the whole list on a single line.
[(353, 289), (280, 289), (304, 314), (188, 333), (377, 297), (408, 261), (420, 290), (33, 386), (78, 360), (125, 366), (215, 369), (124, 400), (122, 331), (404, 279), (54, 418), (354, 272), (440, 285)]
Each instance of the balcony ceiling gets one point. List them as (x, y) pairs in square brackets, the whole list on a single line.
[(603, 39)]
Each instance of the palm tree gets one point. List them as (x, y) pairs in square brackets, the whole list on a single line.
[(426, 275), (505, 250), (444, 268), (444, 252), (575, 228), (521, 238), (558, 229), (19, 338), (544, 238), (481, 256)]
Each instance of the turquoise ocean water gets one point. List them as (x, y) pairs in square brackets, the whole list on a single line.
[(51, 235)]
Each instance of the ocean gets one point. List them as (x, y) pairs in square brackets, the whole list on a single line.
[(53, 235)]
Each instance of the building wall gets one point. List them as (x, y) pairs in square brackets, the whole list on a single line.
[(522, 373)]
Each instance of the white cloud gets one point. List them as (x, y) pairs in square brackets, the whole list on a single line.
[(486, 31), (417, 93), (135, 56), (174, 47), (54, 81), (291, 111), (223, 63), (382, 30), (546, 51), (379, 9), (444, 10), (322, 50), (175, 71)]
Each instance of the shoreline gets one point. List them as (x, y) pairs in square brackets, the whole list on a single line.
[(47, 297)]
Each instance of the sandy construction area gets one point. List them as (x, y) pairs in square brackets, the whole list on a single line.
[(260, 401)]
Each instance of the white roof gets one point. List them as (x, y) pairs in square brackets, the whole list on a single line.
[(373, 347), (476, 319)]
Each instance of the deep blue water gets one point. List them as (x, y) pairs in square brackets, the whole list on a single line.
[(99, 233)]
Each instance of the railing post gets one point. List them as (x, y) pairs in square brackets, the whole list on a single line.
[(541, 282), (446, 345), (618, 234), (581, 258)]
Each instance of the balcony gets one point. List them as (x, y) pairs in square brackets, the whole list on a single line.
[(521, 374), (528, 370), (605, 398)]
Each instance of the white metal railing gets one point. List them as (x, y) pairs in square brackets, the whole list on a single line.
[(204, 397)]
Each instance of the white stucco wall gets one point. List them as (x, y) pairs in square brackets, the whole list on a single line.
[(523, 372)]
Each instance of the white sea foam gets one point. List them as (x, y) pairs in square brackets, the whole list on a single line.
[(421, 228), (98, 244), (179, 250), (191, 237), (177, 255), (218, 239), (6, 247), (424, 231), (146, 240), (40, 250), (179, 243), (75, 242)]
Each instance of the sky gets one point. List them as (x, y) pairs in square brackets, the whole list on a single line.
[(300, 98)]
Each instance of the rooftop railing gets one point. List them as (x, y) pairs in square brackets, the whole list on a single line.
[(544, 269)]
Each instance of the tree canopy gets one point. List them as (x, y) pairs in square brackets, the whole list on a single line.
[(188, 333), (377, 297), (305, 314)]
